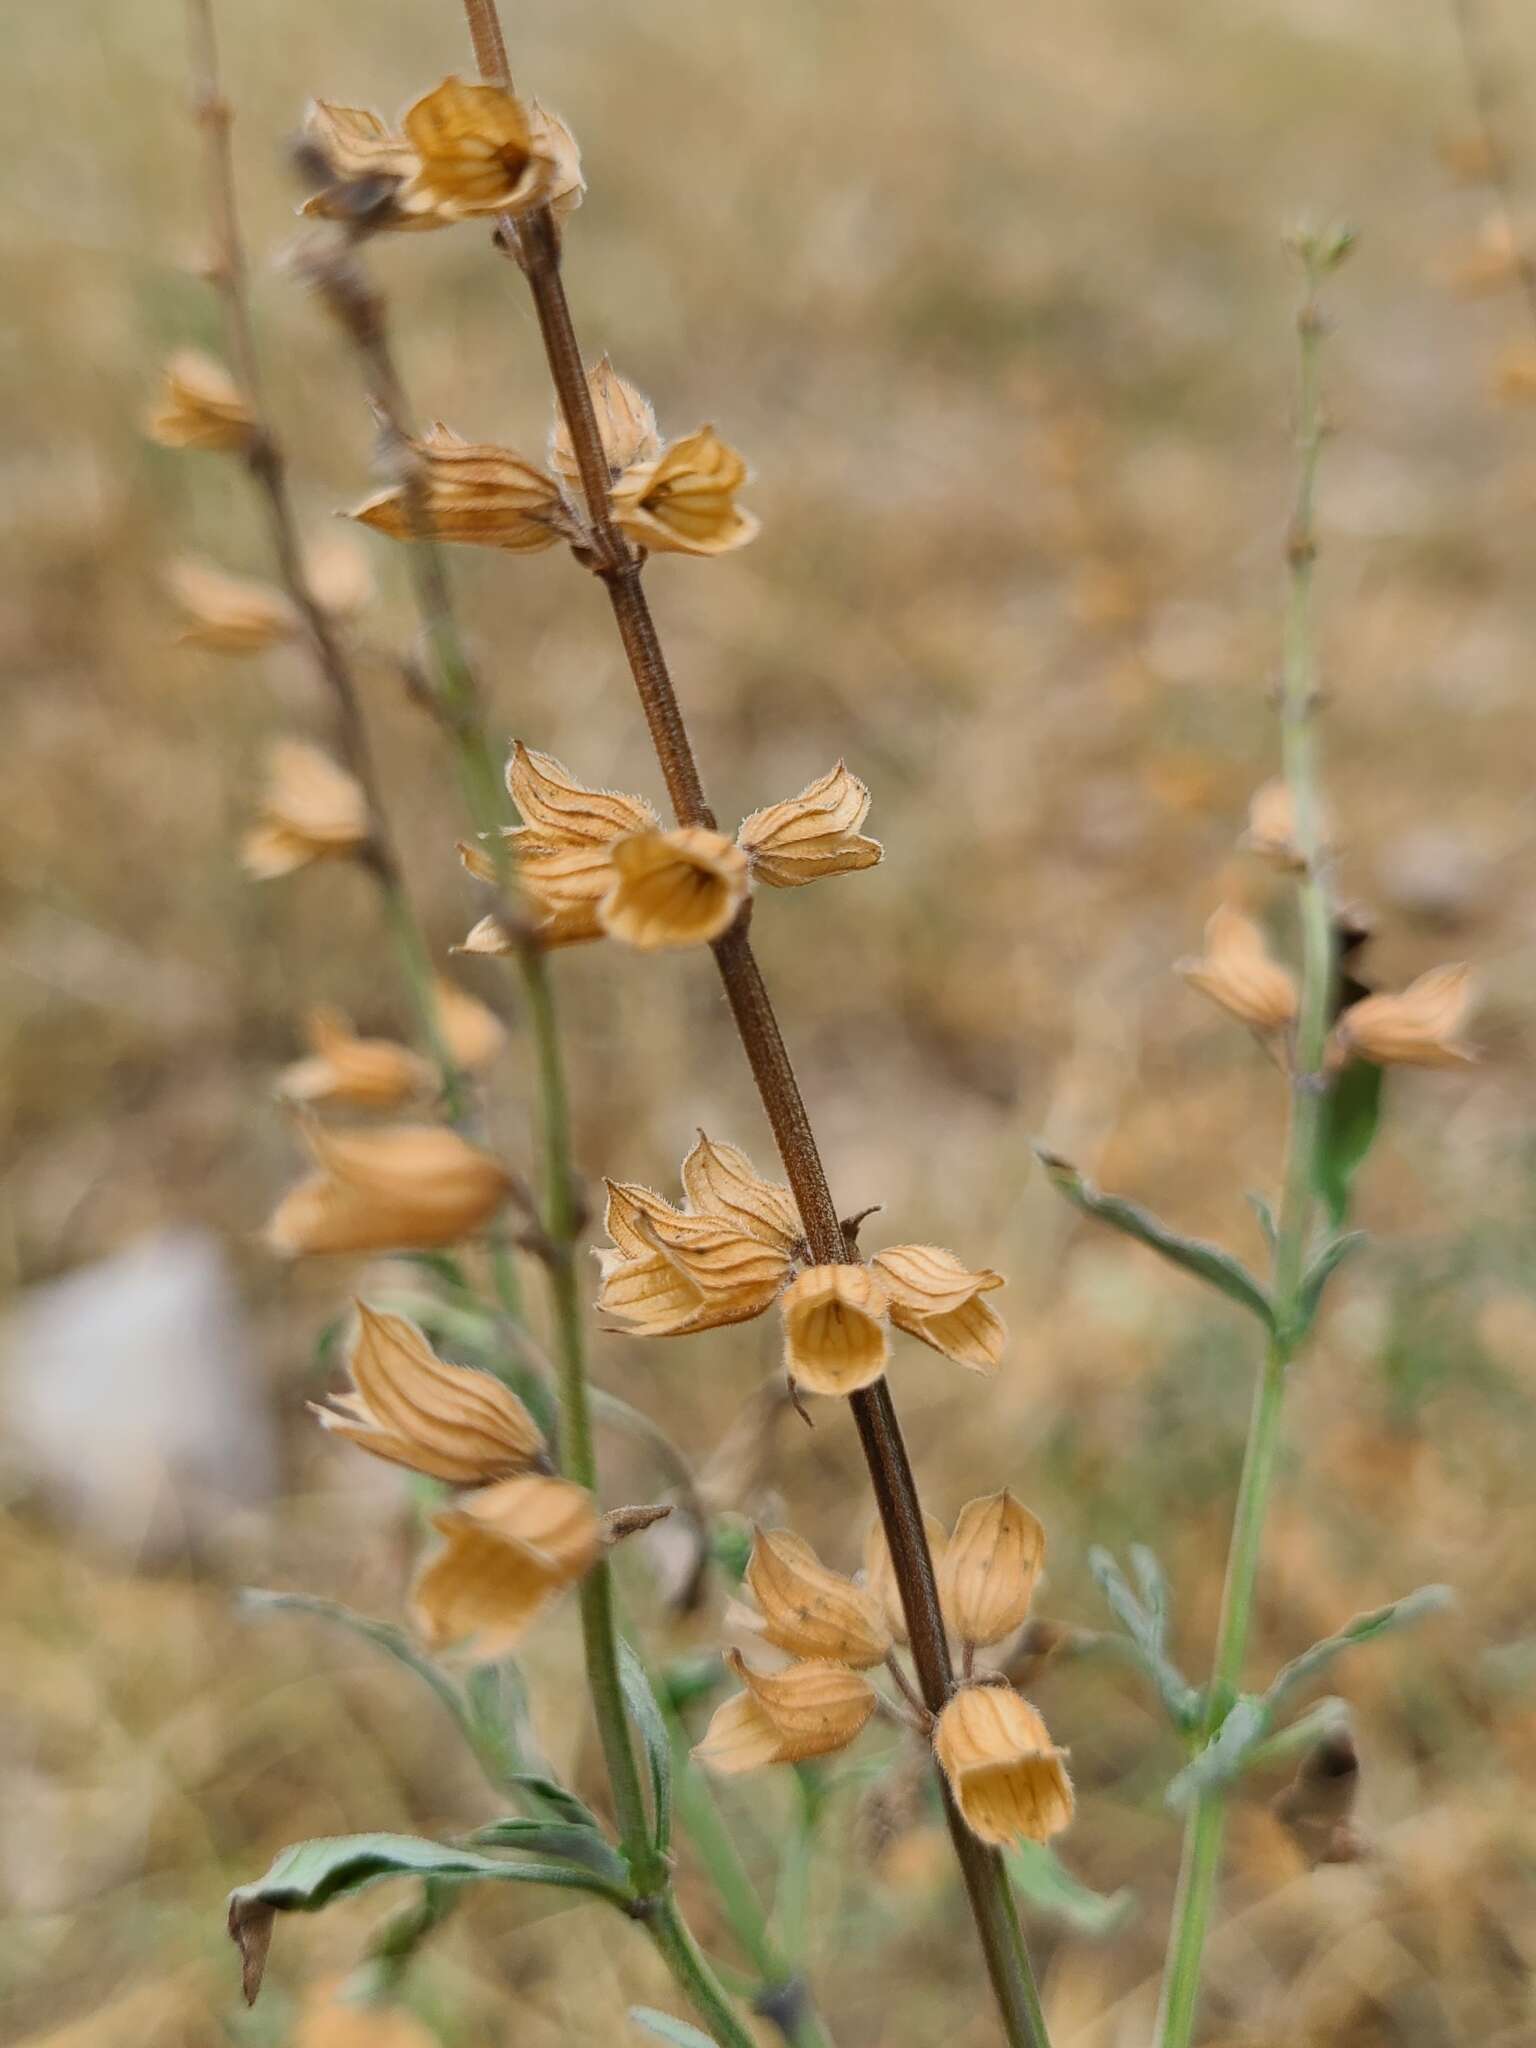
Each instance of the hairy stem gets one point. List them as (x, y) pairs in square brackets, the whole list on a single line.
[(1200, 1863), (535, 240)]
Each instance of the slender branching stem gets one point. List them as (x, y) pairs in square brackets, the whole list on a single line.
[(535, 241), (1484, 74), (227, 271), (1200, 1864)]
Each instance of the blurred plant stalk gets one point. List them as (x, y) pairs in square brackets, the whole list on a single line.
[(1200, 1864)]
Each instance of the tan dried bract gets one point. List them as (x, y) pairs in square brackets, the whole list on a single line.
[(475, 153), (488, 936), (363, 1073), (1271, 832), (403, 1188), (312, 809), (787, 1717), (1008, 1779), (473, 493), (510, 1550), (228, 614), (810, 835), (720, 1180), (626, 420), (201, 406), (1237, 973), (685, 500), (835, 1335), (671, 1273), (678, 888), (562, 185), (880, 1572), (990, 1566), (1421, 1027), (413, 1408), (808, 1610), (935, 1297)]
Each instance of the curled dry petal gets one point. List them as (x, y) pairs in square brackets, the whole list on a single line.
[(678, 888), (720, 1180), (402, 1188), (413, 1408), (472, 1032), (552, 1518), (489, 936), (685, 501), (312, 809), (201, 406), (1237, 973), (562, 185), (562, 812), (990, 1568), (1008, 1779), (472, 492), (936, 1298), (626, 420), (672, 1273), (355, 142), (1421, 1027), (475, 153), (808, 1610), (810, 835), (365, 1073), (228, 614), (786, 1717), (835, 1335), (880, 1573)]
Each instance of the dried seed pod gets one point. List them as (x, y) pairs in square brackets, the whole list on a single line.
[(1421, 1027), (475, 153), (671, 1274), (413, 1408), (685, 500), (228, 614), (473, 493), (1008, 1779), (626, 420), (938, 1299), (560, 811), (811, 835), (835, 1335), (311, 809), (364, 1073), (402, 1188), (552, 1518), (1237, 973), (510, 1551), (808, 1610), (201, 406), (721, 1180), (786, 1717), (489, 936), (678, 888), (990, 1567), (880, 1574), (562, 186)]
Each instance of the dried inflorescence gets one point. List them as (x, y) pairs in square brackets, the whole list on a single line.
[(594, 862), (312, 809), (736, 1247), (986, 1571), (1008, 1778), (403, 1187), (1238, 973), (1420, 1027), (201, 406)]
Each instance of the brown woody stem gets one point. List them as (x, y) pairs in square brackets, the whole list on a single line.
[(536, 242)]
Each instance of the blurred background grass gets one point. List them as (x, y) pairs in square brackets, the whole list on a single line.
[(995, 301)]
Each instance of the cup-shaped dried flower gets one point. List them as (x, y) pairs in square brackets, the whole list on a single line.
[(561, 183), (475, 153), (671, 1273), (1008, 1779), (1419, 1027), (312, 809), (201, 406), (405, 1187), (685, 500), (1237, 972), (880, 1573), (990, 1566), (626, 421), (678, 888), (562, 849), (836, 1339), (364, 1073), (471, 492), (510, 1550), (786, 1717), (413, 1408), (227, 614), (810, 835), (808, 1610), (935, 1297), (720, 1180)]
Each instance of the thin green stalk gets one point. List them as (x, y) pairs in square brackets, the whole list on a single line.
[(684, 1958), (1201, 1858)]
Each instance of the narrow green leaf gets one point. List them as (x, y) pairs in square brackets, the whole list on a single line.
[(1152, 1581), (1350, 1119), (666, 2028), (1144, 1636), (648, 1718), (1301, 1671), (556, 1801), (1041, 1877), (383, 1635), (1225, 1754), (1317, 1276), (1267, 1224), (310, 1875), (583, 1846), (1208, 1262)]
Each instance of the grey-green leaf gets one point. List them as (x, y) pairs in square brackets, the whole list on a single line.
[(1042, 1878), (572, 1843), (647, 1716), (308, 1876), (1350, 1119), (1225, 1754), (667, 2028), (1208, 1262), (1316, 1278), (1301, 1671)]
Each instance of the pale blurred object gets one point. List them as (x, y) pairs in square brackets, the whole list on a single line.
[(132, 1401)]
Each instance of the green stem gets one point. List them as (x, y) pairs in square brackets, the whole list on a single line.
[(684, 1958), (1201, 1858)]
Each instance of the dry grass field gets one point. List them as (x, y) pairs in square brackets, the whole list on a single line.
[(995, 301)]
